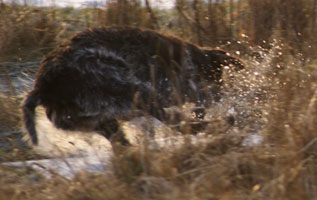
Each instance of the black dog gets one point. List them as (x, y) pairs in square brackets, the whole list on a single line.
[(103, 74)]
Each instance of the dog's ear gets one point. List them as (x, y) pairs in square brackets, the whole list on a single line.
[(225, 59), (28, 108)]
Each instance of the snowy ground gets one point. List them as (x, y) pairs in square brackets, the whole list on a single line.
[(74, 151)]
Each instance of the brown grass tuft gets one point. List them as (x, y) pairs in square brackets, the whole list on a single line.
[(26, 33)]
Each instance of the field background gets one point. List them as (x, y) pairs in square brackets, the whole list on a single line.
[(275, 99)]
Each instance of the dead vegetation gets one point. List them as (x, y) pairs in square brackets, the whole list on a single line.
[(276, 98), (284, 166)]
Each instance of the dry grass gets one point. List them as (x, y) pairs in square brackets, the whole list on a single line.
[(280, 106), (284, 166), (26, 33), (10, 114)]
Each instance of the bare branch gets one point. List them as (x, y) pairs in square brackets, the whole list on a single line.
[(152, 15)]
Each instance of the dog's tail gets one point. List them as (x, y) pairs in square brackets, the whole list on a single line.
[(28, 108)]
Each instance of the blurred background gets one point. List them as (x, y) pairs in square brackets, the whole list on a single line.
[(30, 28)]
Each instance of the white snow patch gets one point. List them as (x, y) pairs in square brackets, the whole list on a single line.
[(252, 140)]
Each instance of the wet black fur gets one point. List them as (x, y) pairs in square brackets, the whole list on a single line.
[(103, 74)]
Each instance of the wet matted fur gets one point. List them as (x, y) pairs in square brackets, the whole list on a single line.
[(104, 74)]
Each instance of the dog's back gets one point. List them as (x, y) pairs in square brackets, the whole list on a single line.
[(102, 74)]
